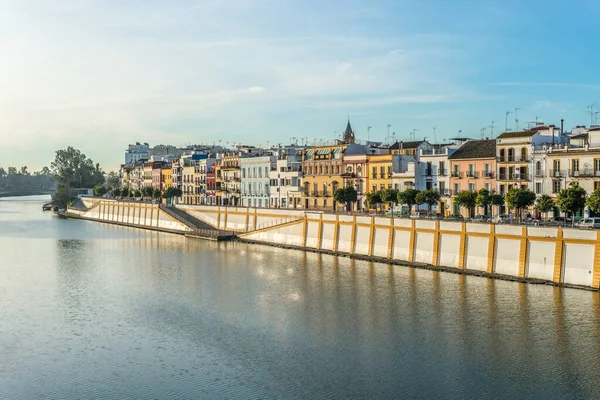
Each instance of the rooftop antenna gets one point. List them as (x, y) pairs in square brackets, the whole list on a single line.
[(506, 121), (459, 132), (434, 137), (368, 133), (388, 134), (596, 117), (414, 134), (591, 112), (516, 119), (483, 132), (492, 129)]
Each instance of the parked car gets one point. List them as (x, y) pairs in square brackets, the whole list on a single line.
[(454, 217), (499, 219), (589, 223), (558, 221), (480, 218), (417, 215), (435, 216)]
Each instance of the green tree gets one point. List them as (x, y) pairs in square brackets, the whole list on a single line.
[(116, 192), (519, 198), (593, 201), (497, 199), (62, 197), (429, 197), (484, 199), (544, 204), (72, 168), (571, 199), (389, 196), (138, 193), (171, 192), (112, 180), (147, 191), (125, 191), (12, 171), (373, 199), (156, 193), (466, 199), (345, 196), (24, 170), (408, 197), (2, 172), (100, 190)]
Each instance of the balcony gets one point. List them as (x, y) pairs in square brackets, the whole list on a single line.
[(558, 173), (472, 174), (540, 173), (442, 172), (446, 192), (428, 172), (488, 174), (584, 173), (456, 174), (510, 159)]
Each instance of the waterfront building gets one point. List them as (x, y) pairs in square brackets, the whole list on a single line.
[(211, 186), (229, 189), (404, 173), (515, 155), (322, 169), (188, 185), (167, 177), (286, 180), (379, 172), (177, 177), (255, 173), (437, 172), (354, 173), (472, 167), (410, 148), (204, 167), (157, 177), (136, 152)]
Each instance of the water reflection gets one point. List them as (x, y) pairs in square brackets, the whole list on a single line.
[(112, 312)]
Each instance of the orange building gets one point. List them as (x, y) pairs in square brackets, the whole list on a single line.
[(472, 168)]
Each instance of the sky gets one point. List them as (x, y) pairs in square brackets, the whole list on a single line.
[(100, 74)]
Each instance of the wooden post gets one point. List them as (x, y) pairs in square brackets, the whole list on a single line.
[(523, 252), (413, 241), (558, 257), (320, 232), (390, 253), (491, 249), (353, 237), (371, 236), (336, 232), (596, 274), (436, 245), (462, 251)]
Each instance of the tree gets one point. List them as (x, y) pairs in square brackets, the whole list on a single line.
[(571, 199), (116, 192), (497, 199), (62, 196), (147, 191), (408, 197), (519, 198), (72, 168), (100, 190), (544, 204), (125, 191), (138, 193), (2, 172), (389, 196), (112, 180), (23, 170), (156, 193), (171, 192), (466, 200), (12, 171), (484, 199), (429, 197), (345, 196), (593, 201), (373, 199)]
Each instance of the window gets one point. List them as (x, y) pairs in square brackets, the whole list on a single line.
[(597, 166), (538, 187), (511, 154), (397, 186), (389, 171), (555, 186), (501, 189), (324, 188), (575, 166), (374, 172), (502, 155), (471, 187), (324, 202), (488, 187), (428, 185), (382, 187), (327, 170), (382, 171), (596, 185), (374, 188), (487, 169), (320, 170), (471, 170), (315, 188), (455, 173), (523, 154), (337, 169), (556, 166), (456, 188)]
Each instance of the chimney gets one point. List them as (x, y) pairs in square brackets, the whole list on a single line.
[(562, 126)]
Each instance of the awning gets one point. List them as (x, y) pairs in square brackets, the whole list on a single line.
[(322, 152), (309, 153), (336, 153)]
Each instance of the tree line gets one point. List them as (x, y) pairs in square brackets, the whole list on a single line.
[(21, 179)]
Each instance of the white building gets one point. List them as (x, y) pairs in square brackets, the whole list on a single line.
[(255, 183), (203, 167), (286, 180), (136, 152)]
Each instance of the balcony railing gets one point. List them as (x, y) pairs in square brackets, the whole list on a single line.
[(472, 174), (456, 174), (584, 173), (488, 174), (442, 172), (558, 173), (540, 173), (446, 192), (513, 159), (428, 172)]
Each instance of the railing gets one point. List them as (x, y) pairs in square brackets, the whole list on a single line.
[(192, 222), (456, 174), (513, 159), (278, 221), (540, 173), (558, 173), (586, 172), (488, 174), (442, 172), (446, 192), (472, 174), (428, 172)]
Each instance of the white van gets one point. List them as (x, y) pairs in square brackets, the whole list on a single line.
[(589, 223)]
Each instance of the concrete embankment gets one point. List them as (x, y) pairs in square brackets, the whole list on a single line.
[(565, 257)]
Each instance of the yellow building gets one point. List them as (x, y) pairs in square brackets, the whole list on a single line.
[(379, 172), (322, 169), (167, 177)]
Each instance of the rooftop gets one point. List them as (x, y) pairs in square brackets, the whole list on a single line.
[(512, 135), (406, 145), (475, 149)]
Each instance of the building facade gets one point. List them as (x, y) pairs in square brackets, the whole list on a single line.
[(256, 179)]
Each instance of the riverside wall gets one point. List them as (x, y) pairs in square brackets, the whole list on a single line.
[(141, 215), (541, 254)]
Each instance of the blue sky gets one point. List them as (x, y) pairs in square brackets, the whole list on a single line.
[(99, 74)]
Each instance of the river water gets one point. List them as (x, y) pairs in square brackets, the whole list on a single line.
[(89, 310)]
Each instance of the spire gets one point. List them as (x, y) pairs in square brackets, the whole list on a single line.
[(348, 137)]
